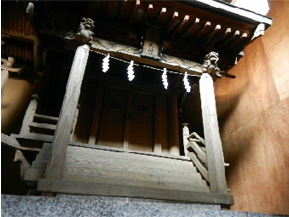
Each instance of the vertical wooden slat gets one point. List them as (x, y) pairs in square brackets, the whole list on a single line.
[(96, 115), (160, 138), (65, 123), (127, 120), (173, 126), (112, 119), (212, 136)]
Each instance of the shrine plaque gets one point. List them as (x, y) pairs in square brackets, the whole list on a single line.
[(152, 42)]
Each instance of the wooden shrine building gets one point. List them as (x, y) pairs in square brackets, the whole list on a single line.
[(125, 105)]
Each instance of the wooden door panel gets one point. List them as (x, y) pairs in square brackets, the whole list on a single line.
[(161, 126), (112, 122), (139, 127)]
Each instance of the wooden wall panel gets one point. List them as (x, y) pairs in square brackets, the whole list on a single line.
[(253, 114)]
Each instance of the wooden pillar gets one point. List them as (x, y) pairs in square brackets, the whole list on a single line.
[(69, 106), (213, 142)]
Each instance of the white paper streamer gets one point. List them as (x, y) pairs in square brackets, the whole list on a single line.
[(105, 64), (130, 72), (165, 79), (187, 83)]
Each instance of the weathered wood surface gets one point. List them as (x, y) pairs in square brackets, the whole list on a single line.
[(38, 166), (24, 164), (108, 148), (29, 115), (121, 162), (102, 187), (13, 143), (69, 106), (103, 163), (199, 151), (10, 141), (196, 153), (91, 165), (201, 168), (212, 136), (34, 136), (133, 53), (48, 119), (43, 126)]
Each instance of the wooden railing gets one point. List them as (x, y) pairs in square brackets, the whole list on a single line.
[(37, 126), (195, 149)]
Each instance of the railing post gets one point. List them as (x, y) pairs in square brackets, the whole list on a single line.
[(186, 133), (68, 110), (216, 168), (215, 158)]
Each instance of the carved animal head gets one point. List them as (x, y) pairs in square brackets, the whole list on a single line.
[(212, 58), (86, 23), (85, 30)]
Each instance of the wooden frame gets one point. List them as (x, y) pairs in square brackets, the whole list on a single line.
[(152, 42)]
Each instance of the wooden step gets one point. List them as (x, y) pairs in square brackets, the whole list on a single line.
[(34, 136), (43, 126), (87, 165), (45, 119)]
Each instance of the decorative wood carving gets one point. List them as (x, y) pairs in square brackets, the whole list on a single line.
[(210, 66), (85, 32)]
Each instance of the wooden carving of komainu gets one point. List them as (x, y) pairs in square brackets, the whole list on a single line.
[(210, 66), (84, 33)]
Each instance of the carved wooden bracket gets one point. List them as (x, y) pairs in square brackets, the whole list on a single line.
[(84, 33), (210, 65)]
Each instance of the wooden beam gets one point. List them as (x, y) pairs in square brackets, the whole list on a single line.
[(133, 53), (213, 141), (109, 189), (69, 106)]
